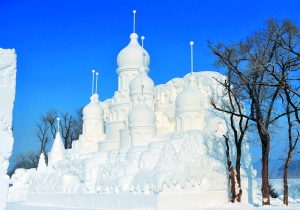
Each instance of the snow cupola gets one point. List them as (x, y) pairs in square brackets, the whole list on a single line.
[(141, 123), (130, 59), (93, 109), (133, 55), (93, 119), (189, 105), (142, 84), (141, 115), (192, 96)]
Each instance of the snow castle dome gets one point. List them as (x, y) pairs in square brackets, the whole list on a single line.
[(93, 109), (142, 77), (192, 96), (141, 114), (133, 55)]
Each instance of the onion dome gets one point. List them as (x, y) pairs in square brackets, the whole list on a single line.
[(141, 114), (191, 97), (133, 55), (93, 109), (142, 78)]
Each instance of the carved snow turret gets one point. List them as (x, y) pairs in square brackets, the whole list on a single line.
[(58, 151), (189, 111), (93, 128), (141, 123), (129, 60), (42, 167), (142, 84)]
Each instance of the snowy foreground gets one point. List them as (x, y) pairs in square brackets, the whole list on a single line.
[(294, 200), (276, 204)]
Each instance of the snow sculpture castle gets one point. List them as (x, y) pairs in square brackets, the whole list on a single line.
[(148, 146)]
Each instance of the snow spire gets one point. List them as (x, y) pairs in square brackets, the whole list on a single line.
[(97, 73), (134, 11), (192, 61), (143, 38), (58, 119), (93, 72), (143, 41), (42, 167), (141, 71)]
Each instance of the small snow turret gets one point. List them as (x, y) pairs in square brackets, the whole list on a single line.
[(42, 167), (189, 103), (58, 149), (191, 97), (142, 80), (141, 123), (93, 118)]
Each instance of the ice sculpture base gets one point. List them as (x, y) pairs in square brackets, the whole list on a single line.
[(131, 201)]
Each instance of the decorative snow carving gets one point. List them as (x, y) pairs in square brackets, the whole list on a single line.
[(170, 143)]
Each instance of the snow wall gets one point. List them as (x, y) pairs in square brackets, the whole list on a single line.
[(7, 97)]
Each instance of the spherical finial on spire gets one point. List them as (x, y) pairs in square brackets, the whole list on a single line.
[(142, 37), (58, 119), (93, 72), (134, 11), (191, 43)]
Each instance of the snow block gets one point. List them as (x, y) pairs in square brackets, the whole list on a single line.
[(7, 97)]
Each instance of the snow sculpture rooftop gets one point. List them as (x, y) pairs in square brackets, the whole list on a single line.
[(147, 146)]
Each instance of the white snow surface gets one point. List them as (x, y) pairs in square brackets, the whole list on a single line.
[(7, 97), (276, 203)]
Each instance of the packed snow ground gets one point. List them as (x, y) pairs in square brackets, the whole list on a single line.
[(276, 204), (294, 200)]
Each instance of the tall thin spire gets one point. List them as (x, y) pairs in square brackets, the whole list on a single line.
[(143, 38), (93, 72), (58, 119), (134, 12), (97, 82), (192, 61), (141, 71), (143, 41)]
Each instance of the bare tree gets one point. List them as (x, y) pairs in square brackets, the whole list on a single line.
[(284, 71), (46, 129), (42, 133), (247, 62), (239, 126), (70, 125)]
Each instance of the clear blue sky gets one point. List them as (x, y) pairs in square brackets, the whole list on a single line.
[(59, 42)]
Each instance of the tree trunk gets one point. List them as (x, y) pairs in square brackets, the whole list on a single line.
[(230, 171), (285, 175), (238, 172), (265, 171)]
